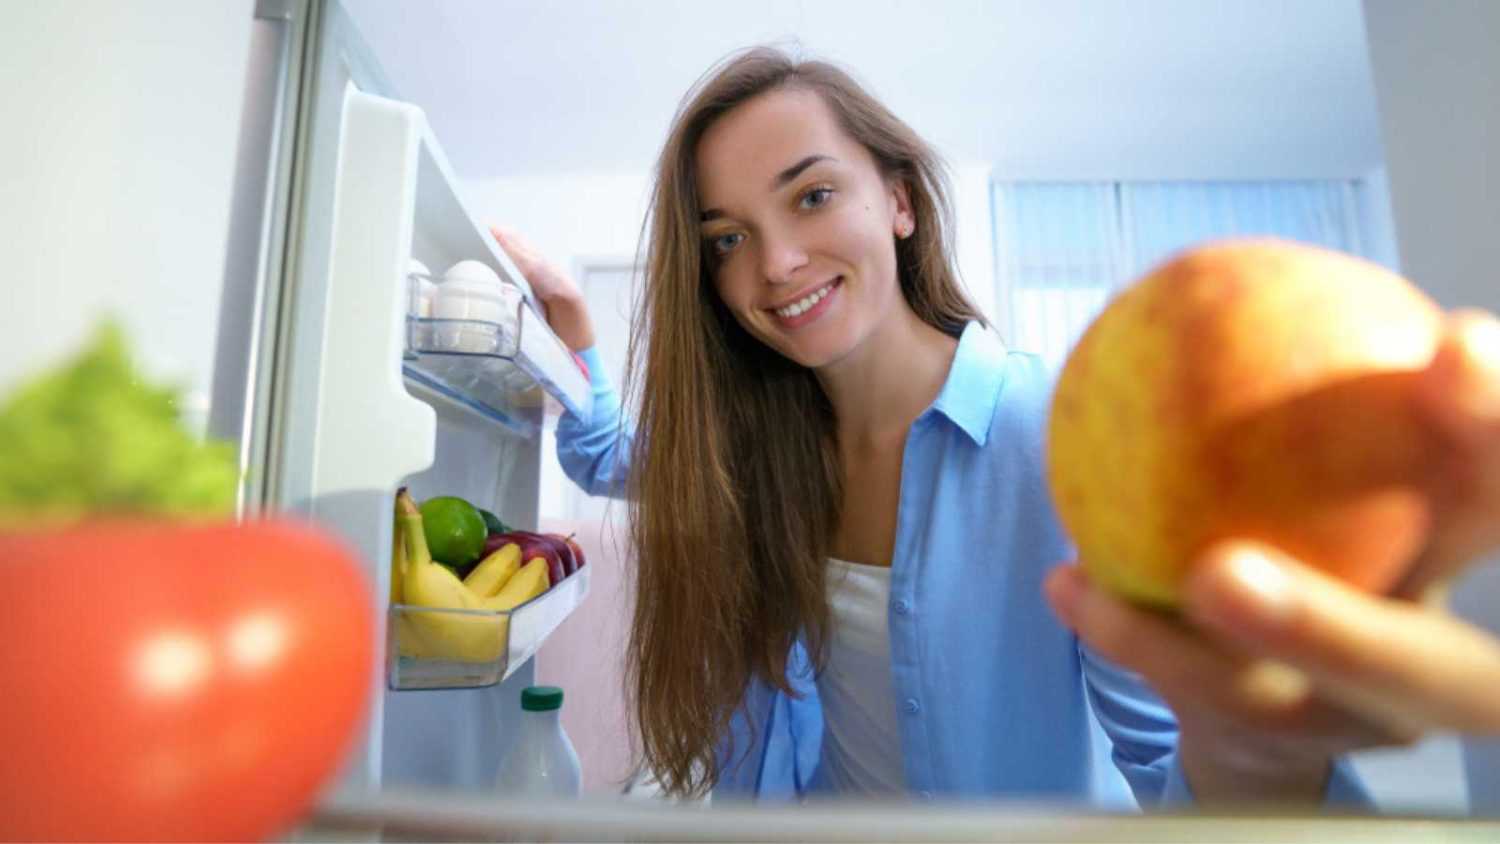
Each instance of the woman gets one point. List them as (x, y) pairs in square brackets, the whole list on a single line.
[(840, 519)]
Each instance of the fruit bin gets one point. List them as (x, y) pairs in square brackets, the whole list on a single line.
[(507, 371), (499, 642)]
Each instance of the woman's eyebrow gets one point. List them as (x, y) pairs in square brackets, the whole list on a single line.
[(780, 181), (795, 170)]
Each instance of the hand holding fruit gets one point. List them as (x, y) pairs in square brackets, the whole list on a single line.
[(1243, 418), (1394, 660)]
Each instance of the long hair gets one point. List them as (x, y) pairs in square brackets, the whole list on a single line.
[(735, 476)]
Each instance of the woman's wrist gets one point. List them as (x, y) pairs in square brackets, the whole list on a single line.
[(1253, 775)]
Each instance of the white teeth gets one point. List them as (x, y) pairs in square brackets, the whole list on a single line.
[(799, 308)]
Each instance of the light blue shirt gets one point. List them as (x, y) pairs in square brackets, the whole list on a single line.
[(995, 698)]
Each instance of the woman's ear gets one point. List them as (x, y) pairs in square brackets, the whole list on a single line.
[(904, 220)]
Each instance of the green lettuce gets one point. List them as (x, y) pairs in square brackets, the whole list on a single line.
[(94, 438)]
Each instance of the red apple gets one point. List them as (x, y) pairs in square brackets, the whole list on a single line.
[(564, 551), (578, 559), (494, 542)]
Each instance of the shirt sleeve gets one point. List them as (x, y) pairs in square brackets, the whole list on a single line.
[(595, 451), (1144, 734)]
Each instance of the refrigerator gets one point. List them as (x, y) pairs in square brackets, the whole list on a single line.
[(335, 398), (338, 391)]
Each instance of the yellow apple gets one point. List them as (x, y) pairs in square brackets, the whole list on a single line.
[(1252, 389)]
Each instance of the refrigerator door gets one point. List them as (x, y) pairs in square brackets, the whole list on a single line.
[(239, 411), (361, 404)]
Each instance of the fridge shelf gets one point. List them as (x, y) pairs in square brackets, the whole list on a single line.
[(491, 368), (428, 648)]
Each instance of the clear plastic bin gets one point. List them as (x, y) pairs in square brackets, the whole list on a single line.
[(428, 648)]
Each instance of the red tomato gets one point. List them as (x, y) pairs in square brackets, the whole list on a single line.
[(174, 681)]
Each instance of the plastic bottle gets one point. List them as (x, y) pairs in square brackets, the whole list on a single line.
[(541, 761)]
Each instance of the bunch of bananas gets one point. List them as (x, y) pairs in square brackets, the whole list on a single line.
[(477, 633)]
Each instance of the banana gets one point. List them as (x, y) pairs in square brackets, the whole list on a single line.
[(493, 571), (527, 583), (398, 559), (479, 632), (408, 640)]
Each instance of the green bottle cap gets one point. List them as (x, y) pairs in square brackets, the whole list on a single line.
[(541, 698)]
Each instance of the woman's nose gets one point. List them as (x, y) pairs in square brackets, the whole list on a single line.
[(781, 257)]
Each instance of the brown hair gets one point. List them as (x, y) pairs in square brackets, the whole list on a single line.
[(736, 477)]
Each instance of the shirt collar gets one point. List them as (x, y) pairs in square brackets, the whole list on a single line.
[(969, 396)]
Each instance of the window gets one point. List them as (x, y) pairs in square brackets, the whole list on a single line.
[(1062, 249)]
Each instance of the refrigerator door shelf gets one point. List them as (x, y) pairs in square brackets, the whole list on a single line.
[(485, 367), (429, 648)]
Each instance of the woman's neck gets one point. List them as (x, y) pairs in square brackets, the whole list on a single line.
[(879, 389)]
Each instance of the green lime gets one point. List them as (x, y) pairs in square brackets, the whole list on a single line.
[(493, 523), (455, 530)]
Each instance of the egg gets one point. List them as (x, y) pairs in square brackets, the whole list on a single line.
[(473, 293), (420, 289), (472, 271)]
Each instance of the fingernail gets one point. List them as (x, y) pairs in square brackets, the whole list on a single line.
[(1273, 685), (1481, 346), (1242, 590)]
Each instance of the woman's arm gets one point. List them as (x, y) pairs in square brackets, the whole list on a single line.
[(593, 451)]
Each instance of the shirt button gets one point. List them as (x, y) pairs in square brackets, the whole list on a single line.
[(911, 706), (902, 607)]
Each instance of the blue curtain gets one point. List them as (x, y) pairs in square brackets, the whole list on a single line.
[(1062, 249)]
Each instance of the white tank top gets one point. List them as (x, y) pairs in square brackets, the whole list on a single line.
[(861, 736)]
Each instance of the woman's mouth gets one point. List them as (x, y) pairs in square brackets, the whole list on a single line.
[(808, 308)]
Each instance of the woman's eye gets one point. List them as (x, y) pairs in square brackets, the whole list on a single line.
[(816, 197), (725, 242)]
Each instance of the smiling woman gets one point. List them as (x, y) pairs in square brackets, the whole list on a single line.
[(815, 320)]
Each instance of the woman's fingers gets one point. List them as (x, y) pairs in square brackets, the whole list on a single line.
[(1404, 665), (1209, 686), (548, 282)]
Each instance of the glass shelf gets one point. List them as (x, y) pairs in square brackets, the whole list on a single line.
[(506, 371), (428, 648)]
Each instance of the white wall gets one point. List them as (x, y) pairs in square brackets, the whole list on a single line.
[(1437, 70), (119, 146)]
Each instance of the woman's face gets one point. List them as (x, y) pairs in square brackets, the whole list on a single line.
[(799, 227)]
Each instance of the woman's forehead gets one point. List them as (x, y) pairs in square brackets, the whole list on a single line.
[(749, 146)]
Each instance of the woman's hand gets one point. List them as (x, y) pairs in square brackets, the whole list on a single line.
[(566, 310), (1276, 668)]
